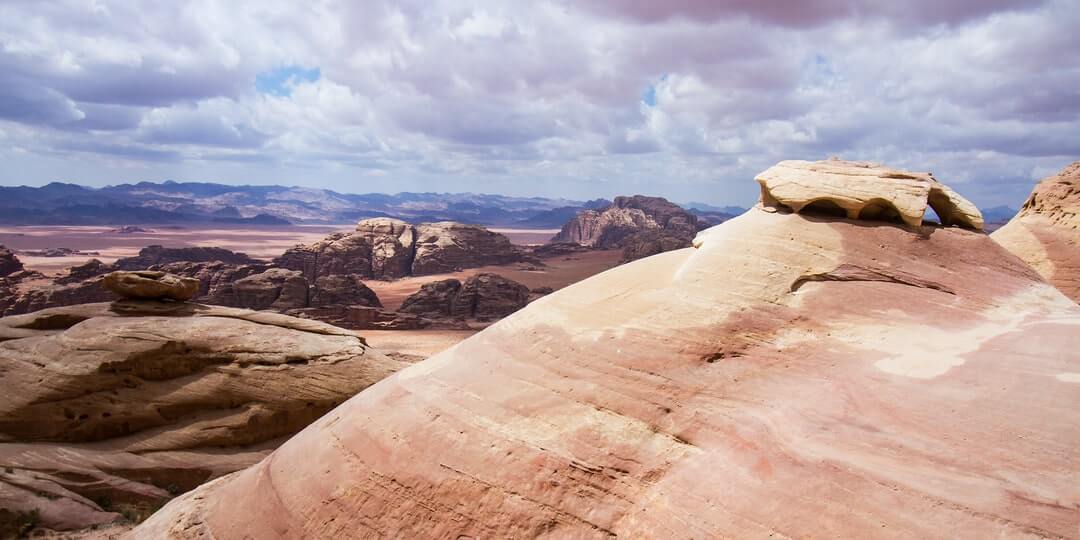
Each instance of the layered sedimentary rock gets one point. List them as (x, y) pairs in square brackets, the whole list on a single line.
[(1046, 231), (112, 409), (792, 376), (484, 296), (863, 190), (9, 263)]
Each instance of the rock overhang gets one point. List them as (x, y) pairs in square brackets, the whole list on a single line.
[(863, 191)]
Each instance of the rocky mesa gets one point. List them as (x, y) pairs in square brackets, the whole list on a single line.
[(797, 373), (1046, 232)]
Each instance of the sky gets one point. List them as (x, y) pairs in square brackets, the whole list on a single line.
[(686, 99)]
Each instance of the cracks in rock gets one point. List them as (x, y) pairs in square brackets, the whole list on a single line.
[(852, 272)]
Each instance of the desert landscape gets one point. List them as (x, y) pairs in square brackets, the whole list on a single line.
[(539, 270)]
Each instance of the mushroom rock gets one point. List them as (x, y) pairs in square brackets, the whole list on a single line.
[(861, 190), (1046, 231), (151, 285), (788, 376), (116, 408)]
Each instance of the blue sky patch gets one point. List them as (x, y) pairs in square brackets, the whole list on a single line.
[(648, 97), (280, 81)]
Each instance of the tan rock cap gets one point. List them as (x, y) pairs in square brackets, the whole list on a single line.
[(866, 191), (148, 285)]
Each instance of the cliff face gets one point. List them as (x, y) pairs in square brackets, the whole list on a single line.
[(800, 375), (1046, 231), (9, 263), (640, 225)]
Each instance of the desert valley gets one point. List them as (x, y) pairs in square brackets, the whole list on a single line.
[(612, 269), (132, 380)]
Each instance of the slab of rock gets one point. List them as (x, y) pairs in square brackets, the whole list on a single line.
[(9, 263), (111, 408), (1046, 231), (863, 190), (484, 296), (150, 285), (793, 377)]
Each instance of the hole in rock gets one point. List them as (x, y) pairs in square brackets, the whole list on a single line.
[(823, 207)]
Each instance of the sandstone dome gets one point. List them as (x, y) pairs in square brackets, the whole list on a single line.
[(792, 375), (1046, 231)]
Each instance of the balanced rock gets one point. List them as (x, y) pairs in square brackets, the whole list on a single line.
[(150, 285), (1046, 231), (112, 408), (9, 263), (862, 190), (791, 377)]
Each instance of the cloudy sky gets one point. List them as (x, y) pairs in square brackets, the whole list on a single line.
[(683, 98)]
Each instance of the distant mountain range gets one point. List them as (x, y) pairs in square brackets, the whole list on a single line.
[(197, 202), (177, 203)]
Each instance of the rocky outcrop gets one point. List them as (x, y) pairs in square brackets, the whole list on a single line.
[(1046, 231), (111, 410), (343, 290), (277, 289), (25, 297), (448, 247), (158, 255), (9, 263), (383, 248), (484, 296), (641, 226), (863, 190), (627, 216), (88, 270), (148, 285), (790, 376)]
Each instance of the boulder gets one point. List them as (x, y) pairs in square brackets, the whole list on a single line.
[(790, 377), (9, 263), (865, 191), (116, 408), (150, 285), (1046, 232)]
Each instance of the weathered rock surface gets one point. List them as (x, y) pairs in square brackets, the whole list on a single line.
[(862, 190), (610, 227), (484, 296), (649, 243), (730, 391), (1046, 231), (88, 270), (149, 285), (118, 407), (9, 263), (35, 293)]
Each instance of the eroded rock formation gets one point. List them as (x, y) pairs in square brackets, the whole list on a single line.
[(1046, 231), (158, 255), (484, 296), (384, 248), (116, 408), (641, 226), (149, 285), (862, 190), (791, 376)]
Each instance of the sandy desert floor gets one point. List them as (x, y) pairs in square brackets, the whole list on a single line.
[(260, 242)]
